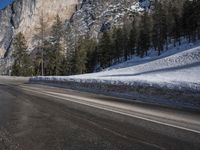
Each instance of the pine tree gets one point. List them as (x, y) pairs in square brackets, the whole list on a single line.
[(49, 58), (170, 22), (85, 58), (133, 38), (70, 45), (92, 57), (57, 30), (44, 55), (188, 20), (197, 17), (176, 30), (105, 50), (144, 35), (16, 69), (159, 35), (125, 42), (57, 34), (39, 64), (117, 39), (69, 61), (22, 64), (80, 59)]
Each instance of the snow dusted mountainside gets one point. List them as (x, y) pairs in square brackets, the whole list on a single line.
[(174, 69), (94, 17)]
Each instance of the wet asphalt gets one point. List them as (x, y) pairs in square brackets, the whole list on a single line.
[(30, 121)]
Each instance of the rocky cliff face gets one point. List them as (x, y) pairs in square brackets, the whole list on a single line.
[(6, 30), (81, 17), (24, 16)]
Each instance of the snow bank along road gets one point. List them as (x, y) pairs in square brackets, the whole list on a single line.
[(41, 117), (171, 79), (177, 71)]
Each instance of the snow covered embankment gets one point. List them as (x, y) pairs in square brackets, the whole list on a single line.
[(168, 77)]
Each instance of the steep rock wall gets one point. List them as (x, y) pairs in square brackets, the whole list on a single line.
[(24, 16)]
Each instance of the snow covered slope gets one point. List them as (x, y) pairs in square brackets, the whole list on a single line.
[(174, 69)]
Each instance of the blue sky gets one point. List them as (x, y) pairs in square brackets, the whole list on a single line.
[(4, 3)]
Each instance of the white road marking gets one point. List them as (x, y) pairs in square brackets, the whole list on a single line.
[(79, 100)]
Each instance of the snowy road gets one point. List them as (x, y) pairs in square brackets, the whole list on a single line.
[(37, 117)]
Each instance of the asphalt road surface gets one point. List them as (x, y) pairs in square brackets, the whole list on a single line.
[(38, 117)]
